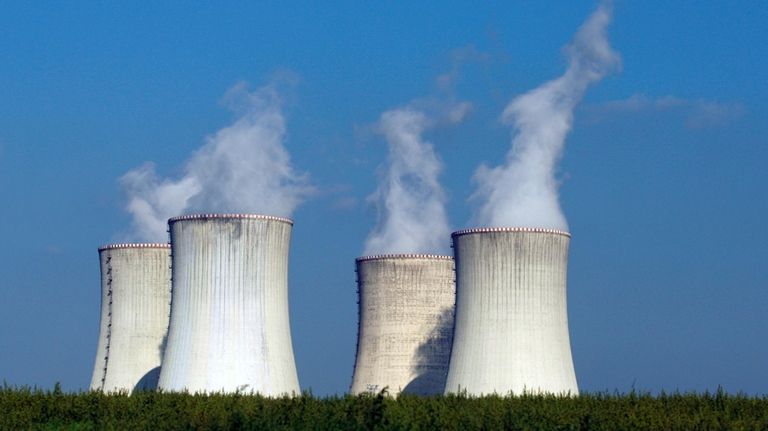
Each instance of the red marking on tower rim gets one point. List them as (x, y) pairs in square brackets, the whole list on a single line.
[(134, 245), (404, 256), (509, 230), (229, 216)]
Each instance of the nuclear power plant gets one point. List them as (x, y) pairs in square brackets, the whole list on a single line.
[(209, 313), (229, 328), (405, 323), (135, 304), (491, 319), (511, 328)]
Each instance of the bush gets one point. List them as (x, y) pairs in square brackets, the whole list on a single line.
[(29, 408)]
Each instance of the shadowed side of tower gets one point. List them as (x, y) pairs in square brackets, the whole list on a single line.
[(405, 323)]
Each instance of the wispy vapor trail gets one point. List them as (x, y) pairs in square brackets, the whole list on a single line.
[(410, 199), (697, 113), (524, 191), (152, 201), (243, 167)]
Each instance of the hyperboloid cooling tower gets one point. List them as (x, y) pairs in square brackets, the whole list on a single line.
[(135, 297), (229, 328), (511, 330), (405, 323)]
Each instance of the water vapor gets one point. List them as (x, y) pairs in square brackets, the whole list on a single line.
[(523, 192), (243, 167), (696, 113), (410, 199)]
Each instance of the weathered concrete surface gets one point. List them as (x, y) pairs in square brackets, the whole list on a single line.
[(405, 323), (135, 297), (229, 327), (511, 330)]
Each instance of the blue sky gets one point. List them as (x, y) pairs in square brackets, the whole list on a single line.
[(663, 175)]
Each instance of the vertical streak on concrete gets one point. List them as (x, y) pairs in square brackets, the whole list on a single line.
[(405, 323), (511, 331), (229, 327), (135, 296)]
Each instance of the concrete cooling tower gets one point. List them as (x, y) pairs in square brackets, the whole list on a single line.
[(135, 297), (511, 330), (229, 328), (405, 323)]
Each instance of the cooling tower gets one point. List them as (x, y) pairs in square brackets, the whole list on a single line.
[(511, 330), (405, 323), (229, 327), (135, 297)]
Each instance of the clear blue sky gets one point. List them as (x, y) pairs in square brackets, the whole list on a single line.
[(664, 174)]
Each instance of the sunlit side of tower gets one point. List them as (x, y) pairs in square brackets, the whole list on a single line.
[(511, 331), (229, 328), (135, 297), (405, 323)]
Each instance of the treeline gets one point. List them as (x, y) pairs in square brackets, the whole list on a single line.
[(25, 408)]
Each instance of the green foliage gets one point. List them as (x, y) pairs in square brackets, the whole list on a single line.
[(29, 408)]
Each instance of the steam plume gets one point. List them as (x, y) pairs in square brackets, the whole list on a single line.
[(243, 167), (409, 198), (523, 192)]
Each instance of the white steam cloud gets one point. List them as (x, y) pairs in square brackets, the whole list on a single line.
[(410, 199), (524, 192), (243, 167)]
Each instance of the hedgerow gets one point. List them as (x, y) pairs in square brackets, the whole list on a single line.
[(31, 408)]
